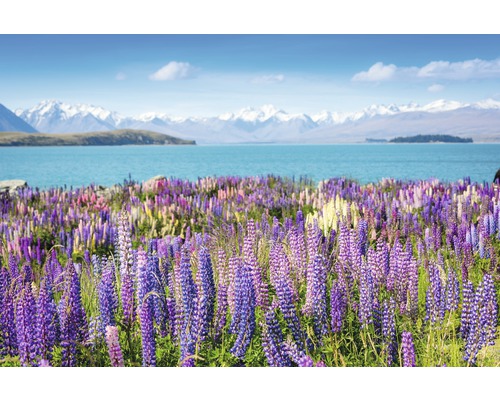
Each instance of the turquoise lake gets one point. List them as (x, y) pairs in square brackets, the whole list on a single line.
[(76, 166)]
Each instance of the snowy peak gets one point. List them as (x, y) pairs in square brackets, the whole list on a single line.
[(53, 109), (269, 123)]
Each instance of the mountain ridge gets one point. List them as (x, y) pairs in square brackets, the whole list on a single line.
[(271, 124)]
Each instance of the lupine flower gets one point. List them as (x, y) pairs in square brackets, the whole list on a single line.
[(108, 299), (189, 298), (452, 291), (338, 306), (243, 321), (466, 319), (46, 322), (222, 303), (279, 264), (366, 297), (319, 297), (272, 341), (435, 296), (72, 318), (408, 350), (206, 295), (389, 330), (124, 249), (25, 321), (114, 349), (8, 335)]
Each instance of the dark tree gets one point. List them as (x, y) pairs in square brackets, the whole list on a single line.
[(497, 177)]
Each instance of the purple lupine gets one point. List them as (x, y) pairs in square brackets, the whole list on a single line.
[(159, 281), (8, 336), (313, 241), (363, 236), (338, 306), (189, 298), (389, 330), (206, 295), (249, 257), (272, 341), (114, 349), (408, 349), (320, 318), (72, 318), (434, 298), (25, 322), (243, 321), (46, 322), (124, 250), (222, 303), (108, 298), (366, 297), (145, 304), (466, 318), (279, 266), (489, 311), (452, 291)]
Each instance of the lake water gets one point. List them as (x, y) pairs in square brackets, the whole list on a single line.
[(76, 166)]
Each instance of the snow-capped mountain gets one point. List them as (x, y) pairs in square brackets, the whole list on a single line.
[(53, 116), (480, 120), (10, 122)]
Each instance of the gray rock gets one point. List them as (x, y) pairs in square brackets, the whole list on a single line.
[(150, 183), (12, 185)]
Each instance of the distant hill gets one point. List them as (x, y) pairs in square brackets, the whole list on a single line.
[(109, 138), (11, 122), (431, 139)]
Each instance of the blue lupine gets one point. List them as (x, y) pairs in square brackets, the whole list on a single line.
[(8, 336), (46, 322), (363, 236), (189, 298), (338, 306), (25, 321), (452, 291), (243, 321), (389, 330), (206, 295), (279, 264), (366, 297), (408, 350), (72, 318), (145, 304), (466, 318), (320, 318), (272, 341), (108, 299), (222, 295)]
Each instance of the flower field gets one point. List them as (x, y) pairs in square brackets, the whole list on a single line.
[(261, 271)]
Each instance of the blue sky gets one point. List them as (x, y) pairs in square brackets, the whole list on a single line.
[(211, 74)]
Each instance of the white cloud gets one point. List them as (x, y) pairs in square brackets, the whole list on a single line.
[(266, 79), (174, 71), (445, 70), (377, 72), (435, 88), (120, 76)]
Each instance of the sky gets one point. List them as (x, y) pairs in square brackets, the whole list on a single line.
[(207, 75)]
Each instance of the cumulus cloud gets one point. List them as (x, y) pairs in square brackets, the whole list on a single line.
[(266, 79), (174, 71), (444, 70), (435, 88), (377, 72), (120, 76)]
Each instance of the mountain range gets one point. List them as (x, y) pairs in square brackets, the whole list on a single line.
[(480, 120)]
